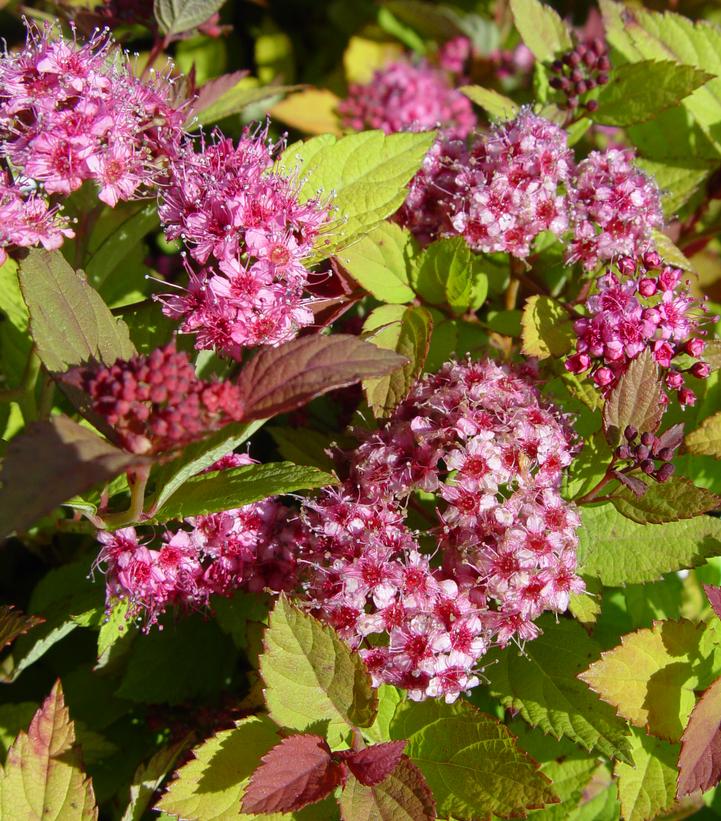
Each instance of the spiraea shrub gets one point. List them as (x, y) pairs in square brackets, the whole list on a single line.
[(361, 410)]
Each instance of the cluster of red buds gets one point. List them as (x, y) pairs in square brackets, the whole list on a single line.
[(647, 451), (579, 71)]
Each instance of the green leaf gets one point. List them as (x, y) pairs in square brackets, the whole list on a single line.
[(637, 34), (618, 551), (15, 341), (470, 761), (403, 795), (541, 29), (141, 219), (309, 449), (198, 456), (497, 105), (311, 676), (244, 93), (368, 172), (114, 628), (178, 16), (650, 678), (149, 776), (706, 439), (635, 400), (678, 179), (547, 329), (69, 321), (226, 489), (569, 778), (43, 776), (675, 499), (234, 614), (13, 718), (670, 252), (408, 332), (448, 273), (637, 92), (380, 261), (211, 786), (543, 686), (389, 697), (278, 380), (59, 456), (189, 659), (647, 786)]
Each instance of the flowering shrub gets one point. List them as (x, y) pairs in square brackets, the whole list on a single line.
[(361, 411)]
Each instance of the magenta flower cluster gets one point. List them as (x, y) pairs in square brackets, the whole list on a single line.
[(520, 179), (71, 112), (646, 305), (251, 547), (478, 436), (156, 403), (615, 207), (249, 232), (405, 96), (512, 186)]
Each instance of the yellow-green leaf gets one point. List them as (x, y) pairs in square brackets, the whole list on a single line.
[(547, 329), (706, 439), (647, 786)]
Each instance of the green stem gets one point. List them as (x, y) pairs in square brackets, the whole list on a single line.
[(137, 480)]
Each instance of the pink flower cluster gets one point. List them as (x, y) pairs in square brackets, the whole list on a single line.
[(71, 112), (615, 208), (233, 212), (479, 437), (251, 548), (404, 96), (512, 186), (27, 219), (646, 305), (520, 179), (156, 403)]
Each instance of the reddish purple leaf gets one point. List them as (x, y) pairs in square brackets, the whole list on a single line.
[(713, 594), (297, 772), (213, 90), (699, 764), (14, 623), (372, 765), (635, 400), (281, 379)]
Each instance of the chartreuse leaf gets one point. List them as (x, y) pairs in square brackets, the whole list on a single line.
[(408, 332), (569, 778), (635, 400), (225, 489), (311, 676), (177, 16), (366, 174), (211, 786), (669, 501), (149, 776), (43, 776), (547, 328), (543, 686), (650, 678), (198, 456), (706, 439), (15, 341), (617, 551), (699, 764), (637, 34), (471, 761), (447, 273), (403, 795), (541, 28), (59, 456), (677, 179), (389, 697), (637, 92), (69, 322), (380, 262), (647, 785), (497, 105)]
